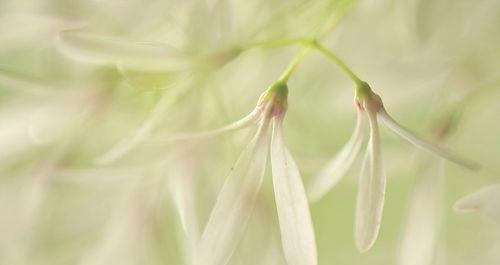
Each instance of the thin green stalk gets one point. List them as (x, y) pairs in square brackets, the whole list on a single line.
[(293, 64), (335, 59)]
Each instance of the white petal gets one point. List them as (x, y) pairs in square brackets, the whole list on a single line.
[(297, 233), (19, 82), (147, 79), (30, 28), (339, 165), (421, 232), (103, 176), (181, 186), (417, 141), (371, 191), (485, 201), (239, 124), (235, 203), (98, 49), (127, 144)]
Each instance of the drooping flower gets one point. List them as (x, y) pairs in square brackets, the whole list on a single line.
[(372, 180), (236, 199), (485, 201)]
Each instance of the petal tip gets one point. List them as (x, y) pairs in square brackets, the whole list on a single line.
[(363, 245)]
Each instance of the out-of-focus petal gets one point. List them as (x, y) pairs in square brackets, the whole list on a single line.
[(98, 49), (235, 202), (419, 142), (371, 191), (297, 233), (31, 28), (19, 82), (485, 201), (244, 122), (421, 232), (336, 168), (127, 144), (181, 186), (147, 79)]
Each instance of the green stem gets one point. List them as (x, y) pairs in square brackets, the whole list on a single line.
[(293, 64), (335, 59)]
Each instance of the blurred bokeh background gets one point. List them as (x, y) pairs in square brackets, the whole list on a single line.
[(88, 88)]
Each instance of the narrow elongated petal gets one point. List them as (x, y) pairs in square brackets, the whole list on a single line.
[(336, 168), (421, 232), (181, 186), (23, 83), (371, 191), (147, 79), (239, 124), (98, 49), (421, 143), (235, 202), (297, 233), (141, 134), (31, 28), (485, 201)]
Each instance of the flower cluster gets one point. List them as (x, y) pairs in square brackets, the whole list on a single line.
[(112, 120)]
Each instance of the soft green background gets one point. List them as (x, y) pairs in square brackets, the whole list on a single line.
[(418, 55)]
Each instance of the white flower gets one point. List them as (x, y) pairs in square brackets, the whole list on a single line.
[(372, 180), (484, 201), (236, 199)]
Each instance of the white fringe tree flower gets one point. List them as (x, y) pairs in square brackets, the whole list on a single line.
[(372, 179), (236, 199)]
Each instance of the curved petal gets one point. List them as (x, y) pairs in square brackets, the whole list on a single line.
[(239, 124), (336, 168), (31, 28), (297, 233), (127, 144), (421, 143), (181, 187), (485, 200), (23, 83), (421, 231), (235, 202), (147, 79), (371, 191), (98, 49)]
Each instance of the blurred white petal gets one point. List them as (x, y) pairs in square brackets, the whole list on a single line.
[(181, 184), (485, 201), (371, 191), (421, 232), (102, 175), (126, 239), (239, 124), (98, 49), (30, 28), (297, 233), (336, 168), (235, 202), (27, 125), (153, 120), (181, 188), (147, 79), (18, 82), (419, 142)]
